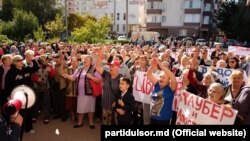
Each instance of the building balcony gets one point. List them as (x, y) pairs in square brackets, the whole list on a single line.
[(205, 25), (154, 1), (192, 24), (208, 1), (154, 11), (207, 13), (153, 25), (192, 11)]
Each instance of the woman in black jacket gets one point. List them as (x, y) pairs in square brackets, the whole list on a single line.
[(20, 75)]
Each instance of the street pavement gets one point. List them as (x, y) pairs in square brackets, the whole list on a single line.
[(57, 130)]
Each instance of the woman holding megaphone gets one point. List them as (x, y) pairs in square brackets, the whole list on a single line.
[(21, 75)]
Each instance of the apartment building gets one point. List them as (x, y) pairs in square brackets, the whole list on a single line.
[(115, 9), (193, 18)]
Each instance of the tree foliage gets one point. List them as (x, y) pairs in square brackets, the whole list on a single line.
[(234, 19), (44, 10), (39, 34), (7, 12), (55, 27), (22, 25), (92, 31), (77, 21)]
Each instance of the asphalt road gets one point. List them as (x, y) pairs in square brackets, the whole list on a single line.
[(65, 132)]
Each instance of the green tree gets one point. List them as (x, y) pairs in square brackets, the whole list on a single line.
[(234, 19), (224, 17), (241, 22), (92, 31), (77, 21), (22, 25), (39, 34), (55, 27), (7, 12), (44, 10)]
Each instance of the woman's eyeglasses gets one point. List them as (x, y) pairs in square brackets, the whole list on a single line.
[(231, 61), (19, 60)]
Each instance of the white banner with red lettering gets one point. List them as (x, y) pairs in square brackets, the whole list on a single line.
[(237, 50), (177, 94), (223, 74), (194, 110), (142, 87)]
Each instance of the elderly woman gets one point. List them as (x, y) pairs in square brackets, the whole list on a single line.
[(215, 93), (239, 97), (163, 93), (85, 100), (221, 64), (4, 69), (184, 64), (71, 97), (20, 75), (141, 65), (200, 88), (232, 91)]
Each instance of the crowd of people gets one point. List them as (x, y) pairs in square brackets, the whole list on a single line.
[(60, 74)]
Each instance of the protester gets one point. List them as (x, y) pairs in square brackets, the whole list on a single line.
[(215, 93), (163, 93), (21, 75), (10, 129), (85, 98), (111, 80)]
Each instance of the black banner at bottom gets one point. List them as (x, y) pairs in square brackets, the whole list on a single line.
[(110, 133)]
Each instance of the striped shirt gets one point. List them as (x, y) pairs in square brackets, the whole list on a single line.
[(110, 89)]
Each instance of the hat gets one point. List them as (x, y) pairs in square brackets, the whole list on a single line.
[(116, 63)]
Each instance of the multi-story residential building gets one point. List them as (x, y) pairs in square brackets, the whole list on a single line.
[(192, 18), (115, 9)]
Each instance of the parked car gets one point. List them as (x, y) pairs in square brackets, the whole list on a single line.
[(201, 42), (122, 37), (233, 42)]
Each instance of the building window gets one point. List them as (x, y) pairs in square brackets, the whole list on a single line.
[(123, 27), (118, 16), (111, 27), (154, 19), (193, 4), (164, 6), (183, 32), (207, 7), (192, 18), (124, 16), (206, 20), (164, 19), (112, 16), (152, 5), (117, 28)]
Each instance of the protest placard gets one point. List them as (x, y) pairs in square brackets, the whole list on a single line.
[(194, 110), (142, 87)]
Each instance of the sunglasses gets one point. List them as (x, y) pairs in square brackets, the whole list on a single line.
[(19, 60), (231, 61)]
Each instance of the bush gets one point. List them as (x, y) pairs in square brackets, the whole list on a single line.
[(121, 42)]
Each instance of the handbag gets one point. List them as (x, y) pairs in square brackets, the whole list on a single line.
[(96, 88)]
